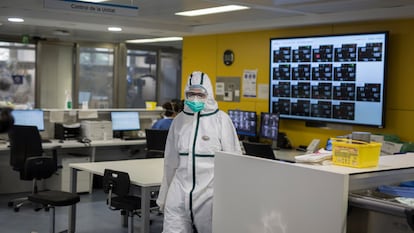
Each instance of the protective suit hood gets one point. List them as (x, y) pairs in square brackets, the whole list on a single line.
[(198, 79)]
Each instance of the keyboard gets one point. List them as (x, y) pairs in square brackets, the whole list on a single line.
[(132, 138), (46, 140)]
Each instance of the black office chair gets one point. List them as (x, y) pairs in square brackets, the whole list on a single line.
[(26, 155), (44, 167), (25, 142), (261, 150), (116, 184), (156, 140)]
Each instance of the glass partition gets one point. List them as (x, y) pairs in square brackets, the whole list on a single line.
[(96, 76), (17, 73), (141, 78)]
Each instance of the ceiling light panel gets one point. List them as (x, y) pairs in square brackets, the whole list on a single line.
[(15, 20), (212, 10)]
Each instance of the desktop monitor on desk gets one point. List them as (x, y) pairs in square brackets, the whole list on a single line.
[(124, 121), (31, 117), (245, 123), (269, 127)]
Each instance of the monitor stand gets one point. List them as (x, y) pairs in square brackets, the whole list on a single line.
[(274, 145)]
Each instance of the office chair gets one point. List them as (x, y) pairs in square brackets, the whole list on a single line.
[(26, 157), (156, 140), (117, 185), (42, 167), (261, 150), (25, 142)]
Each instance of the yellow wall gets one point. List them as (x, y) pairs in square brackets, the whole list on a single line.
[(251, 51)]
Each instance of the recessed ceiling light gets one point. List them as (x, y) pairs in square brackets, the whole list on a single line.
[(61, 32), (114, 29), (212, 10), (155, 40), (15, 20)]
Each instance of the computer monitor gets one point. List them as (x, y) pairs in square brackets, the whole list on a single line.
[(84, 96), (31, 117), (125, 121), (269, 127), (245, 122)]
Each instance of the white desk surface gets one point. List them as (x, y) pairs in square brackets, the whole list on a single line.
[(76, 144), (142, 172), (387, 162)]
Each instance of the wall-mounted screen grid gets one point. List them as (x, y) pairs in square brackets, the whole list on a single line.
[(336, 78)]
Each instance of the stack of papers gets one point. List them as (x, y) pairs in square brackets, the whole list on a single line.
[(318, 157)]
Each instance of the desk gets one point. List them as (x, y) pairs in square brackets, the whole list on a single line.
[(96, 150), (76, 144), (146, 174), (284, 197)]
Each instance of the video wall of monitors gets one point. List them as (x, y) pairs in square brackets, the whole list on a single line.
[(335, 78)]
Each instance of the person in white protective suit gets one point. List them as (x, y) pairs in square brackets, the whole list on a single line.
[(186, 193)]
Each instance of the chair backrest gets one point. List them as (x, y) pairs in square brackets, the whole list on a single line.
[(116, 182), (261, 150), (39, 167), (156, 140), (25, 142)]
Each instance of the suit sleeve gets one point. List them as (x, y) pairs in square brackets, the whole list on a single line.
[(171, 159), (229, 140)]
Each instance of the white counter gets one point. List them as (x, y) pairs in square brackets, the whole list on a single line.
[(257, 195)]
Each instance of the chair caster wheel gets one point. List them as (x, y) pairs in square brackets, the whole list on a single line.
[(10, 204), (47, 209), (16, 209)]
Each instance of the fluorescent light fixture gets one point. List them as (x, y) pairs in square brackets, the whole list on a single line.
[(15, 20), (213, 10), (114, 29), (154, 40)]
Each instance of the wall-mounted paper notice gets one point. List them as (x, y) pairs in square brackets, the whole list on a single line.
[(56, 116), (87, 114), (249, 83), (219, 88), (263, 91)]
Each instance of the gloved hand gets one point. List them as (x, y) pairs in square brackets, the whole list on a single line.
[(161, 205)]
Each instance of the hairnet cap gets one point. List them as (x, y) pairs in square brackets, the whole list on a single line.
[(199, 82)]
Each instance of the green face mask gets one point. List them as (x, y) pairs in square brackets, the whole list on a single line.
[(196, 106)]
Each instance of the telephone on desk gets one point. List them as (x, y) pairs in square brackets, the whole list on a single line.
[(84, 140), (311, 148)]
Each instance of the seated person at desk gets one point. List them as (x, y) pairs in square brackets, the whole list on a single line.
[(6, 119), (171, 110)]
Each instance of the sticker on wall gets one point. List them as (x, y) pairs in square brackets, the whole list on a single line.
[(228, 89), (249, 83)]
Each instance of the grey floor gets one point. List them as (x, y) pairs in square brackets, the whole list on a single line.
[(92, 216)]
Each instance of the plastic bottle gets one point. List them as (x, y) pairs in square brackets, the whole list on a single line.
[(68, 101)]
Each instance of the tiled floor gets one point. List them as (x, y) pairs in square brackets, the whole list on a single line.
[(92, 216)]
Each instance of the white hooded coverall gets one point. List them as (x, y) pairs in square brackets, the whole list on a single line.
[(186, 192)]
